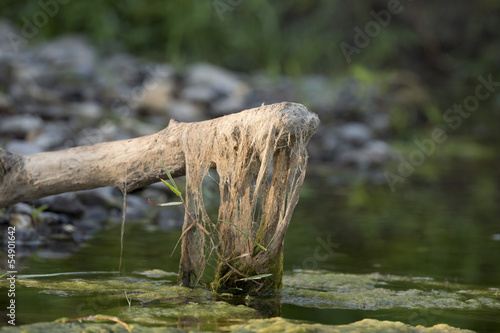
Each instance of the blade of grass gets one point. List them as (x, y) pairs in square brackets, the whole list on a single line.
[(255, 277), (169, 176), (231, 223), (174, 189)]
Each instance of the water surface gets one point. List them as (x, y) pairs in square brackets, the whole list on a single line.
[(440, 227)]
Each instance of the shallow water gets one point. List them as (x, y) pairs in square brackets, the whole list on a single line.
[(436, 227)]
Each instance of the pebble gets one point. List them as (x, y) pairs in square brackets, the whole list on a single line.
[(19, 126), (51, 136), (86, 111), (355, 133), (20, 221), (70, 54), (22, 208), (22, 147), (186, 111), (154, 97), (66, 203), (102, 197), (223, 90)]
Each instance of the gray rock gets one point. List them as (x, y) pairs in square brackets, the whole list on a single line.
[(93, 219), (377, 151), (51, 111), (355, 133), (154, 97), (211, 84), (22, 208), (199, 93), (120, 71), (103, 196), (86, 110), (22, 147), (52, 136), (67, 203), (331, 140), (21, 221), (5, 102), (50, 217), (185, 111), (373, 154), (20, 125), (69, 54)]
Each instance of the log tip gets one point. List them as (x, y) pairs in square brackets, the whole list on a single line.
[(297, 117)]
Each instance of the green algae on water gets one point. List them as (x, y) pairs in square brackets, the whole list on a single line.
[(367, 325), (85, 327), (209, 312), (154, 302), (272, 325), (375, 292)]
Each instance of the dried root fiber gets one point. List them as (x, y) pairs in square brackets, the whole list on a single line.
[(260, 157)]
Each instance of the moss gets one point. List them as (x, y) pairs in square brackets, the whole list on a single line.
[(375, 291), (213, 311), (254, 325), (79, 286), (74, 327), (138, 289), (366, 325), (199, 309)]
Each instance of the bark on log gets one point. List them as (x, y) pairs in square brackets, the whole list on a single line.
[(125, 164)]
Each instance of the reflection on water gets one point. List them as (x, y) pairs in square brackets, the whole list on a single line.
[(445, 229)]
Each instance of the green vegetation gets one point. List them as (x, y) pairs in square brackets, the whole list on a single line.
[(35, 215), (293, 37)]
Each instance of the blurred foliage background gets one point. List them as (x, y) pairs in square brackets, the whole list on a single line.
[(435, 39), (447, 43)]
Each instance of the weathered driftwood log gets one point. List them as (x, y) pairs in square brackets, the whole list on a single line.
[(260, 159), (126, 164)]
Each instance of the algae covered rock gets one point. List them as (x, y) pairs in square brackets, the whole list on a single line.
[(366, 325), (375, 292), (76, 327), (149, 304), (255, 325), (208, 315)]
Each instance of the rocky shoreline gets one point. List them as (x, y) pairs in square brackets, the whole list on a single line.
[(62, 94)]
